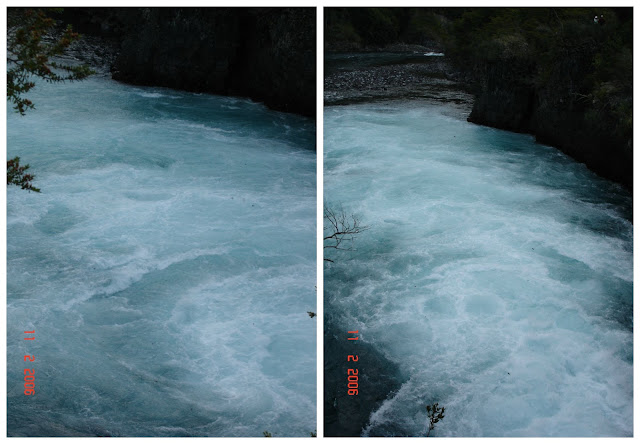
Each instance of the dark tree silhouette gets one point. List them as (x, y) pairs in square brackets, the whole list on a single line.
[(340, 228), (435, 414)]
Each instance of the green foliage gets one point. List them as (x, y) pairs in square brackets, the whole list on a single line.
[(339, 28), (383, 26), (435, 414), (379, 25), (424, 24), (30, 47), (591, 64), (368, 26), (17, 175)]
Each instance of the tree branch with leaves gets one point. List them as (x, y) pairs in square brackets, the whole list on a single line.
[(31, 43), (17, 175)]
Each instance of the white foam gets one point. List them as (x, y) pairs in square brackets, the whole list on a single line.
[(169, 299), (490, 276)]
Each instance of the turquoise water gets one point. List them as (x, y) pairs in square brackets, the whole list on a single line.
[(496, 277), (167, 267)]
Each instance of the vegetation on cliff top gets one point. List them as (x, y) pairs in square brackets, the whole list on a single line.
[(560, 54), (544, 39), (540, 37)]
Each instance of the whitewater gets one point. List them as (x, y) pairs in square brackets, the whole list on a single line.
[(167, 266), (496, 278)]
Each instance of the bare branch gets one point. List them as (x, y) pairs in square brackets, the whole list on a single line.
[(340, 227)]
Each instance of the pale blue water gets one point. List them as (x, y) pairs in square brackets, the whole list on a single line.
[(167, 267), (497, 276)]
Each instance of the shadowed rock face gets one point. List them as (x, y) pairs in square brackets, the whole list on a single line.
[(267, 54), (554, 113)]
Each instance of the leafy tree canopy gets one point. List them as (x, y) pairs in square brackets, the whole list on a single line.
[(31, 45)]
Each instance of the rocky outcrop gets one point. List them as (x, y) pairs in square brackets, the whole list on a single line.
[(504, 98), (570, 84), (267, 54), (557, 112)]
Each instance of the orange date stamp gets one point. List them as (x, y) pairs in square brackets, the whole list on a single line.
[(352, 373), (29, 373)]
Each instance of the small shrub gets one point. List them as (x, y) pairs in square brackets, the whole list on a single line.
[(435, 414)]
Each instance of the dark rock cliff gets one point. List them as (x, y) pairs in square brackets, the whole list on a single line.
[(266, 54), (557, 113), (504, 98), (565, 80)]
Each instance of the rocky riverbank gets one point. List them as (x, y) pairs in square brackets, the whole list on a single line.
[(374, 76)]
